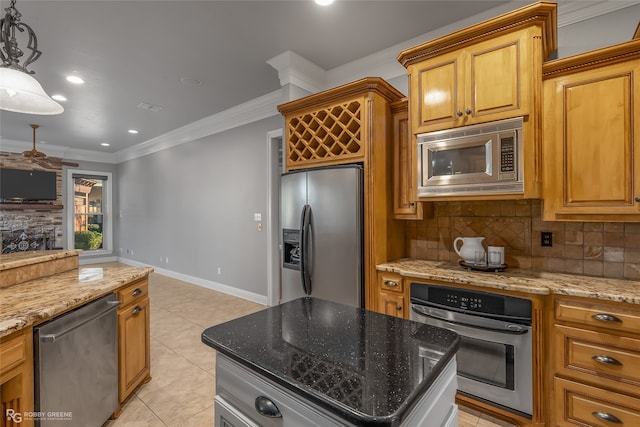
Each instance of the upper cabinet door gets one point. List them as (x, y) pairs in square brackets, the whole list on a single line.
[(499, 79), (439, 86), (592, 154)]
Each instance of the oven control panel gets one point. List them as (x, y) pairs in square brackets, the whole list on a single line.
[(467, 300), (464, 300)]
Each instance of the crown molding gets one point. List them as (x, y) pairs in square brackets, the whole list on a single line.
[(66, 153), (299, 71), (242, 114), (574, 12)]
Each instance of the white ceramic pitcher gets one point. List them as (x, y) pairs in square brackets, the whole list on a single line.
[(471, 250)]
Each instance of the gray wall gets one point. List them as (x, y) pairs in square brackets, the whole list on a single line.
[(605, 30), (194, 203)]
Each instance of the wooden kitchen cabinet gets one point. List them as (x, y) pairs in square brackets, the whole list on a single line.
[(487, 81), (405, 165), (592, 150), (352, 123), (16, 378), (337, 126), (486, 72), (134, 364), (392, 298), (596, 354)]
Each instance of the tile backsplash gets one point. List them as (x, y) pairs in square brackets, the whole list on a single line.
[(601, 249)]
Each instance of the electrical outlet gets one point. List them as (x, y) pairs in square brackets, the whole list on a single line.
[(219, 271), (166, 260), (546, 238)]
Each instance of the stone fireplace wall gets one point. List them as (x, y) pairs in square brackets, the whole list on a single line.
[(588, 248), (25, 228)]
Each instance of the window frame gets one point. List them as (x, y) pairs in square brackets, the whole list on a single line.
[(107, 206)]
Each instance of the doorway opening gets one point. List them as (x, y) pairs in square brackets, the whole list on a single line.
[(275, 168)]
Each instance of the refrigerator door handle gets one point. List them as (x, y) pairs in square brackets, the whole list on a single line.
[(305, 222)]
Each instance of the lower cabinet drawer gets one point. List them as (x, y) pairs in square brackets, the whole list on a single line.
[(612, 361), (583, 405), (391, 282)]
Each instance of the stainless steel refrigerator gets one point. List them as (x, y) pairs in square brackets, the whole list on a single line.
[(321, 219)]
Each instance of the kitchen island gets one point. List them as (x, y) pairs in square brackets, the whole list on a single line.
[(314, 362)]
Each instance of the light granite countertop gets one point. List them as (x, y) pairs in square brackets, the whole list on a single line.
[(25, 304), (20, 259), (541, 283)]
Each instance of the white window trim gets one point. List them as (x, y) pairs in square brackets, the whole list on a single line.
[(107, 207)]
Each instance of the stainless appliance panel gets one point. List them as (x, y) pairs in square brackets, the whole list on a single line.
[(81, 345), (495, 357), (293, 194), (293, 198), (333, 237), (335, 198), (472, 160)]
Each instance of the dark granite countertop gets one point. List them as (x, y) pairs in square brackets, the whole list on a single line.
[(367, 368)]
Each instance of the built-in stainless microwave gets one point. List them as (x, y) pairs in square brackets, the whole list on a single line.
[(472, 160)]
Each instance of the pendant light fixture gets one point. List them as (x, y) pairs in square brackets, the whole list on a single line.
[(20, 92)]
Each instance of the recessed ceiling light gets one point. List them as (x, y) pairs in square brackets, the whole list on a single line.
[(132, 131), (59, 97), (75, 80), (105, 144), (324, 2)]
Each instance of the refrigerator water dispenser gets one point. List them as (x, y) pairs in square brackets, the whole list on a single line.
[(291, 255)]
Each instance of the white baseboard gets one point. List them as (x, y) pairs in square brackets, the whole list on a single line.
[(209, 284)]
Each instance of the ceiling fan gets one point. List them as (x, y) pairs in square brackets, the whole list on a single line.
[(41, 158)]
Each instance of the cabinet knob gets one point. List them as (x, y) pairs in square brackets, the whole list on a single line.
[(606, 360), (638, 199), (468, 111), (136, 310), (136, 292), (390, 283), (459, 113), (605, 416), (266, 407), (398, 307), (605, 317), (412, 203)]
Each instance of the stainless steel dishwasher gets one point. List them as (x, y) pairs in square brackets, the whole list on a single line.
[(76, 366)]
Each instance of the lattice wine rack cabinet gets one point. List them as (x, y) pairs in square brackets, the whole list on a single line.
[(333, 126)]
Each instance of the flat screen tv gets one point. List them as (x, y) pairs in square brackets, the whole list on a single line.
[(18, 185)]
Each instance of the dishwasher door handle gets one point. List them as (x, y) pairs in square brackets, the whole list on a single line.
[(49, 338)]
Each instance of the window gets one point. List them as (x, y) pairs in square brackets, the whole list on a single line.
[(89, 208)]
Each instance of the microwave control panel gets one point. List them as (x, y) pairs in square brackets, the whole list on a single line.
[(508, 158)]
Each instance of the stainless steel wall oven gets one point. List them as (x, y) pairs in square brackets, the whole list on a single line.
[(495, 356)]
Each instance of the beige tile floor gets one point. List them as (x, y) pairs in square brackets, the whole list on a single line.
[(182, 388)]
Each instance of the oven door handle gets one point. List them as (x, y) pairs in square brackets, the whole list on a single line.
[(481, 323)]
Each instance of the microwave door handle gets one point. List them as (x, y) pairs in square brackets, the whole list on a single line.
[(516, 329)]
